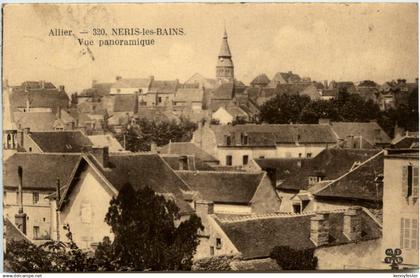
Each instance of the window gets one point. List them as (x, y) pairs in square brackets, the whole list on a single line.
[(36, 232), (410, 182), (415, 182), (245, 160), (218, 243), (262, 157), (30, 149), (296, 208), (183, 163), (35, 198), (409, 234), (228, 140), (229, 160), (159, 100), (244, 139), (211, 250), (313, 180), (86, 213), (309, 155), (300, 155)]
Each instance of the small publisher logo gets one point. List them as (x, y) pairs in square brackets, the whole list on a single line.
[(393, 257)]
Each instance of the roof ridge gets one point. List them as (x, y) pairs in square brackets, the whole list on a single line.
[(351, 171), (49, 153), (221, 172)]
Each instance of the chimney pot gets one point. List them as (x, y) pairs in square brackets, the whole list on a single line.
[(102, 155)]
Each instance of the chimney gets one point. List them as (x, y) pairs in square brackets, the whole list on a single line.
[(153, 147), (320, 227), (102, 155), (59, 112), (61, 88), (19, 138), (325, 84), (152, 77), (352, 228), (26, 130), (42, 84), (20, 217), (118, 78)]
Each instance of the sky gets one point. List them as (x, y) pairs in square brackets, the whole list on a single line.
[(323, 41)]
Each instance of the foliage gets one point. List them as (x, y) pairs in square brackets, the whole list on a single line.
[(283, 109), (146, 237), (140, 135), (212, 264), (239, 120), (290, 259), (215, 122), (52, 256)]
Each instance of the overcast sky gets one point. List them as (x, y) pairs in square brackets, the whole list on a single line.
[(321, 41)]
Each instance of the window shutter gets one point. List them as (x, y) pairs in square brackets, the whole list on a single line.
[(415, 182), (404, 181), (402, 234)]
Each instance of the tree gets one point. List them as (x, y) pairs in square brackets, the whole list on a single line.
[(283, 109), (291, 259), (318, 109), (146, 236)]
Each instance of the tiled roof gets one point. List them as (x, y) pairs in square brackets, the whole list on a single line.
[(61, 141), (187, 148), (366, 130), (40, 171), (36, 121), (125, 103), (189, 95), (360, 183), (330, 164), (255, 237), (272, 134), (132, 83), (223, 187)]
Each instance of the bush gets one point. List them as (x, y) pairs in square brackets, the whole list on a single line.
[(292, 259)]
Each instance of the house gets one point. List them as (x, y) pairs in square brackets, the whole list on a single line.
[(160, 93), (52, 141), (37, 96), (237, 145), (40, 121), (185, 162), (234, 192), (408, 141), (123, 86), (97, 91), (106, 140), (189, 148), (284, 78), (299, 182), (230, 113), (192, 98), (401, 204), (38, 177), (99, 176), (361, 135), (200, 81), (260, 81), (351, 234), (329, 93)]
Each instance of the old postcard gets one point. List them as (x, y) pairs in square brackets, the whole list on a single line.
[(219, 137)]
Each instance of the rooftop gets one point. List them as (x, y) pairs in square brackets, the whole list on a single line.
[(60, 141)]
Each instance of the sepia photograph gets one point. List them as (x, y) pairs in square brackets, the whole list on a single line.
[(210, 137)]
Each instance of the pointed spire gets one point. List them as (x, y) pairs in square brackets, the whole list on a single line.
[(224, 49)]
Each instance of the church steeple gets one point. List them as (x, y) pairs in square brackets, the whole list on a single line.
[(224, 68)]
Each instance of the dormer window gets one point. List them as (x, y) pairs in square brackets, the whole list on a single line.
[(228, 140), (218, 243), (244, 139), (314, 179)]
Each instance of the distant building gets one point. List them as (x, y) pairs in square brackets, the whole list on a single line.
[(225, 68), (230, 113), (401, 205), (237, 145), (260, 81), (130, 86)]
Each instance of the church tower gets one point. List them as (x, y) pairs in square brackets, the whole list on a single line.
[(224, 68)]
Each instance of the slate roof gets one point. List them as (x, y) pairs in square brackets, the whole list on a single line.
[(358, 183), (261, 80), (36, 121), (271, 134), (187, 148), (40, 171), (284, 77), (406, 142), (223, 92), (330, 164), (108, 140), (223, 187), (195, 163), (236, 111), (45, 98), (255, 237), (189, 95), (125, 103), (366, 130), (132, 83), (97, 90), (142, 170), (60, 141), (163, 86)]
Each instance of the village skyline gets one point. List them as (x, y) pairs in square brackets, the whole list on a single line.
[(313, 44)]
